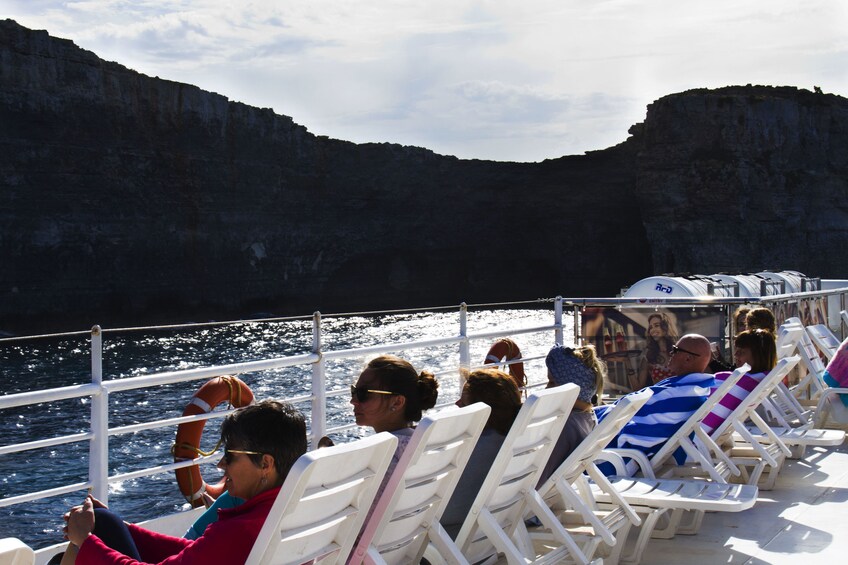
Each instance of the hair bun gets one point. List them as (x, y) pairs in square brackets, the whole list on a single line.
[(428, 389)]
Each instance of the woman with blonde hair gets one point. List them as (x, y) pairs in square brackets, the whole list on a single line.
[(581, 366)]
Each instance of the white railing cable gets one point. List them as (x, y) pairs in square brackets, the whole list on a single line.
[(41, 443), (30, 496), (185, 375)]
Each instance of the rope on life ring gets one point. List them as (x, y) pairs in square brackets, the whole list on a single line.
[(187, 445), (502, 352)]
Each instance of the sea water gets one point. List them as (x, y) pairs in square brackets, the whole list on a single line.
[(63, 361)]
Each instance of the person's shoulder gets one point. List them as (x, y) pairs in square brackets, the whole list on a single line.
[(403, 433), (686, 379)]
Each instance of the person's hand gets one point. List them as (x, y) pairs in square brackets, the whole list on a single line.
[(97, 503), (80, 522)]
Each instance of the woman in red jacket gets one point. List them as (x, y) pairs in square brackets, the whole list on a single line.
[(262, 442)]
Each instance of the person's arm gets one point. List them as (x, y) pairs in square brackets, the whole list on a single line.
[(211, 515), (70, 555)]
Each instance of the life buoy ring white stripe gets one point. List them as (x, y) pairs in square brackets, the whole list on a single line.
[(202, 404)]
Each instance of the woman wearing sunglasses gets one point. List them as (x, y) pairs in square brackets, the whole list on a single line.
[(389, 396), (262, 442)]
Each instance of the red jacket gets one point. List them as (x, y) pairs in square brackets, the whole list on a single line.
[(228, 540)]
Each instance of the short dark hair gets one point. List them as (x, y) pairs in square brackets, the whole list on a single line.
[(270, 426)]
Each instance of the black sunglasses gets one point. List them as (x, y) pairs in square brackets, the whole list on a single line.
[(363, 393), (228, 454), (675, 349)]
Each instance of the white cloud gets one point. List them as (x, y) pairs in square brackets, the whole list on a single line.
[(503, 79)]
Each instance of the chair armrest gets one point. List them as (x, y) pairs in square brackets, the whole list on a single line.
[(616, 456)]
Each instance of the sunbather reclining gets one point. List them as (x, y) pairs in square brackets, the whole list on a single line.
[(674, 400)]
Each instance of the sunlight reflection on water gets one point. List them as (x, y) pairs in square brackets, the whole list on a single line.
[(66, 361)]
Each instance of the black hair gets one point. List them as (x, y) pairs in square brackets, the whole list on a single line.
[(270, 426)]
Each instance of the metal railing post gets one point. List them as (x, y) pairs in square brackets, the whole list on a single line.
[(464, 345), (98, 458), (577, 326), (558, 320), (319, 388)]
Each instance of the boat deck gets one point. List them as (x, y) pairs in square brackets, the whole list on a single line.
[(801, 518)]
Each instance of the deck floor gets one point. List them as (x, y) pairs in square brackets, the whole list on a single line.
[(801, 518)]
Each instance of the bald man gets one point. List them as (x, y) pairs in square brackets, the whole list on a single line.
[(691, 354), (675, 399)]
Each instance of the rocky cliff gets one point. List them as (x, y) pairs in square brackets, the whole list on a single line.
[(126, 199)]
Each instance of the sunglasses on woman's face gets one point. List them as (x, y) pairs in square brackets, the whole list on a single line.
[(228, 454), (363, 393)]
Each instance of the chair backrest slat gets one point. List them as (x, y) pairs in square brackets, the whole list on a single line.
[(323, 502), (406, 516), (505, 494)]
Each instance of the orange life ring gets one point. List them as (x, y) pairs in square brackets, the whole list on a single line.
[(505, 350), (187, 445)]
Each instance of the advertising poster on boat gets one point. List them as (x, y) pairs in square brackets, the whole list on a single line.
[(635, 342)]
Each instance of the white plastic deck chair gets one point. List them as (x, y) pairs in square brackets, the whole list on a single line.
[(495, 524), (783, 405), (799, 426), (323, 503), (567, 494), (652, 496), (15, 552), (811, 404), (823, 339), (406, 517), (829, 407), (764, 452), (696, 442)]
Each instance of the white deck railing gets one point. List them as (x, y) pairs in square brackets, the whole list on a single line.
[(99, 390)]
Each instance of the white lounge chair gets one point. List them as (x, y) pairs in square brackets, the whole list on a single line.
[(758, 447), (824, 339), (323, 502), (406, 517), (811, 404), (653, 497), (495, 524), (15, 552), (694, 439), (570, 497)]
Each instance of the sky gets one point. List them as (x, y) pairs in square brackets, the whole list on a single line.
[(508, 80)]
